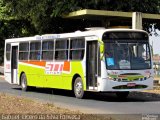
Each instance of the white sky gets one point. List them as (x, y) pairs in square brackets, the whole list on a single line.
[(155, 40)]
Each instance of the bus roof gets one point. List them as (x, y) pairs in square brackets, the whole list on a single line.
[(93, 32)]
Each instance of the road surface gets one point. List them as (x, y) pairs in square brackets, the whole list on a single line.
[(103, 103)]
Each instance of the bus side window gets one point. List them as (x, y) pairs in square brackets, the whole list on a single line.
[(8, 51), (77, 48), (76, 54), (23, 51), (47, 50), (61, 49), (35, 50)]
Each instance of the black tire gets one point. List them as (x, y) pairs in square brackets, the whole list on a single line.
[(24, 85), (78, 88), (122, 95)]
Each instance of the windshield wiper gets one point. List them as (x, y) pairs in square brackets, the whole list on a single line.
[(117, 43)]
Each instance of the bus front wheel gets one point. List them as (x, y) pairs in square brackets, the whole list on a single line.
[(122, 95), (78, 88), (24, 82)]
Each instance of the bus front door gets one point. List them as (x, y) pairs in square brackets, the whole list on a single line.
[(91, 65), (14, 63)]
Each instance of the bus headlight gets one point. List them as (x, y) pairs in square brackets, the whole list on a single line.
[(110, 78)]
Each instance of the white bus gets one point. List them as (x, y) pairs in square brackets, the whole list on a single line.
[(106, 60)]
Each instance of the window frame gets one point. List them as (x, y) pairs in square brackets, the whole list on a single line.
[(35, 50), (8, 52), (61, 49), (24, 51), (48, 50), (82, 49)]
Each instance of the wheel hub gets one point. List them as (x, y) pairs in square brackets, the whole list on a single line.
[(23, 83), (78, 88)]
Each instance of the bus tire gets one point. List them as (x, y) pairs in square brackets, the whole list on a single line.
[(78, 88), (24, 85), (122, 95)]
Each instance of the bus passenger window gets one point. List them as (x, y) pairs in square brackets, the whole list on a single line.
[(8, 51), (35, 50), (61, 55), (23, 51), (61, 49), (76, 54), (77, 48), (47, 50)]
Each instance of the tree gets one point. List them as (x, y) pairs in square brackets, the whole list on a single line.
[(29, 17), (147, 6), (45, 15)]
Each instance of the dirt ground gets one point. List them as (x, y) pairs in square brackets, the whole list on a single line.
[(21, 108), (12, 107), (155, 91)]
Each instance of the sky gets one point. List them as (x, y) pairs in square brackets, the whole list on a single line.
[(155, 41)]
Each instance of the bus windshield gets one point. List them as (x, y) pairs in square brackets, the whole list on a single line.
[(127, 50)]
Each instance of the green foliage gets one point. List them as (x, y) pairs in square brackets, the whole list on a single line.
[(43, 14), (146, 6), (29, 17)]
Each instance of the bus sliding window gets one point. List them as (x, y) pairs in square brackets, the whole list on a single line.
[(76, 54), (35, 50), (23, 51), (8, 51), (47, 50), (77, 48), (61, 49)]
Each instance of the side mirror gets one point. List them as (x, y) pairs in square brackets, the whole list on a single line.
[(101, 47)]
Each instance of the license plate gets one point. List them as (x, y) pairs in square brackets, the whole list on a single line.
[(131, 84)]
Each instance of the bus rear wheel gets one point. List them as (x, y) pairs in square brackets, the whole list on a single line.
[(78, 88), (122, 95), (24, 82)]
